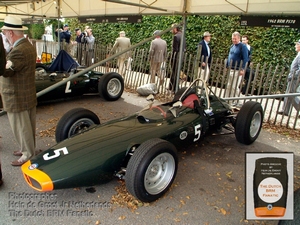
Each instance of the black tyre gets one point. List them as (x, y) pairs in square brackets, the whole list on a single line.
[(296, 219), (111, 86), (248, 123), (151, 169), (75, 122)]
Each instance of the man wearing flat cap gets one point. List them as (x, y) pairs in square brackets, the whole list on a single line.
[(17, 88), (157, 55), (205, 57), (120, 45)]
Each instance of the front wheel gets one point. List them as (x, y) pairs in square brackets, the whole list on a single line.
[(111, 86), (248, 123), (75, 122), (151, 169)]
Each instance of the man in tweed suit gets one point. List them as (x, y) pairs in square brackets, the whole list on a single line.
[(157, 55), (120, 45), (17, 87)]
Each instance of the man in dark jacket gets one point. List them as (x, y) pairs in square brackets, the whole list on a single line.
[(64, 36), (79, 41), (176, 46), (205, 58)]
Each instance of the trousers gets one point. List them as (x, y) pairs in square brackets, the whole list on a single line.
[(23, 126)]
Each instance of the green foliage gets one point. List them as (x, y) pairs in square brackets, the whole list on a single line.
[(271, 45), (36, 31)]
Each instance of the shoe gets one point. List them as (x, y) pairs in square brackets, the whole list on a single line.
[(19, 153), (1, 182), (18, 162)]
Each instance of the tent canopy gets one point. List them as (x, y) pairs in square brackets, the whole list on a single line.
[(77, 8)]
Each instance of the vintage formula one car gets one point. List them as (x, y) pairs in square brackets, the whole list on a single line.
[(141, 147), (109, 86)]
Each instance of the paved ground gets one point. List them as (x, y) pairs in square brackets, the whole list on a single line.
[(209, 187)]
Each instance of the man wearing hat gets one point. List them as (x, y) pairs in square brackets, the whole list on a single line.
[(79, 41), (157, 55), (64, 36), (120, 45), (17, 88), (293, 82), (205, 58)]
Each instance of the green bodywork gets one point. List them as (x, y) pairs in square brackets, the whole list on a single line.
[(96, 155), (87, 83)]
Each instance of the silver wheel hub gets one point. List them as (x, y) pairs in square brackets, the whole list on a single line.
[(159, 173), (79, 126), (255, 124), (114, 87)]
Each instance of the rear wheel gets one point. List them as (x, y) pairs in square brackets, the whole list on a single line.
[(248, 123), (75, 122), (151, 170), (111, 86)]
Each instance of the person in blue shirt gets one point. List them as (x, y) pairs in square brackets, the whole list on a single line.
[(236, 63), (64, 36)]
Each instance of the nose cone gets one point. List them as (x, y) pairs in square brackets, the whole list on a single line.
[(36, 178)]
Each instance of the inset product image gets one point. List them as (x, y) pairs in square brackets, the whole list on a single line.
[(270, 187)]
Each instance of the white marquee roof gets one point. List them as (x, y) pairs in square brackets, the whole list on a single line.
[(76, 8)]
